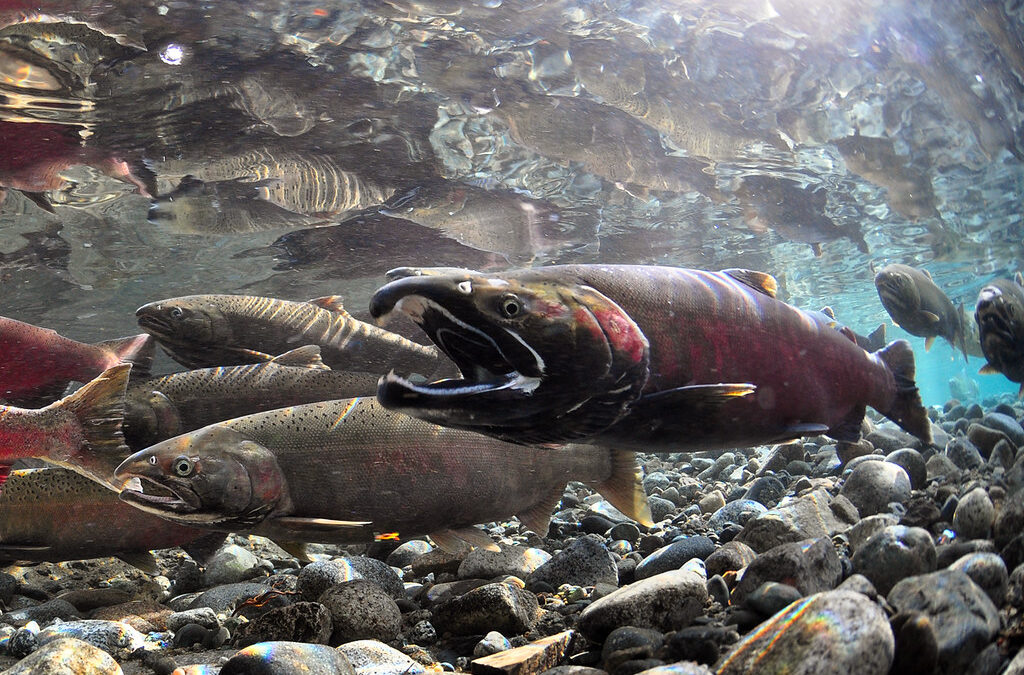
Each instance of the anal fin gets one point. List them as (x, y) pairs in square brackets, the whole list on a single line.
[(449, 539), (624, 488), (849, 428), (143, 560), (538, 517)]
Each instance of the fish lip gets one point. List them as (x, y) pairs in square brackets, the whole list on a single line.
[(181, 501), (154, 325)]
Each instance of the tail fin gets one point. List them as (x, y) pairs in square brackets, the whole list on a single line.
[(624, 488), (99, 408), (137, 350), (907, 410)]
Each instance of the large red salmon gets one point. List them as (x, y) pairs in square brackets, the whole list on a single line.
[(640, 356)]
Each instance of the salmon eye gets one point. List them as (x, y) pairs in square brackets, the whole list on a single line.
[(182, 466), (176, 313), (510, 306)]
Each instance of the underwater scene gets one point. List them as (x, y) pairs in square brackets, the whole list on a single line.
[(511, 336)]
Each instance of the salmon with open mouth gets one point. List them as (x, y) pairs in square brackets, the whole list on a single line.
[(639, 356)]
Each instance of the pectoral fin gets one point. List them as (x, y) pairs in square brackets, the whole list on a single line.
[(930, 316), (307, 356), (697, 395), (761, 282), (988, 369), (454, 540), (928, 342), (538, 517), (319, 524), (142, 560), (331, 303)]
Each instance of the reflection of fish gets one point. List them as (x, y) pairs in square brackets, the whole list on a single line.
[(45, 249), (999, 314), (918, 306), (167, 406), (81, 432), (368, 245), (607, 142), (226, 207), (488, 220), (307, 184), (798, 214), (55, 514), (342, 471), (226, 330), (871, 343), (643, 356), (37, 364), (907, 190)]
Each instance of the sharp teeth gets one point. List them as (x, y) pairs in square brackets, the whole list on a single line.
[(133, 484)]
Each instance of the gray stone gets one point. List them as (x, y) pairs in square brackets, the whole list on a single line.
[(782, 455), (1015, 590), (729, 557), (230, 565), (854, 639), (1005, 424), (584, 562), (811, 566), (913, 463), (361, 610), (42, 614), (227, 597), (656, 480), (204, 616), (1010, 521), (517, 561), (711, 502), (963, 454), (974, 515), (492, 643), (407, 552), (318, 576), (660, 508), (859, 584), (893, 554), (988, 571), (766, 490), (666, 601), (771, 597), (738, 512), (110, 636), (674, 556), (626, 532), (940, 466), (1016, 666), (872, 486), (868, 527), (370, 657), (963, 617), (288, 658), (813, 515), (890, 440), (502, 607), (66, 656), (985, 438), (301, 622)]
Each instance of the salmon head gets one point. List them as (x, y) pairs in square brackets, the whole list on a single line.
[(192, 329), (542, 359), (898, 291), (214, 477), (1000, 316)]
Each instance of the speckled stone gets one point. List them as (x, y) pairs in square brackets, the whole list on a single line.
[(110, 636), (229, 565), (893, 554), (66, 656), (666, 601), (974, 515), (913, 463), (869, 527), (359, 610), (502, 607), (204, 616), (831, 632), (407, 552), (872, 486), (225, 598), (584, 562), (988, 571), (811, 566), (963, 616), (963, 454), (318, 576), (739, 512), (370, 657), (301, 622), (518, 561), (288, 658), (810, 516)]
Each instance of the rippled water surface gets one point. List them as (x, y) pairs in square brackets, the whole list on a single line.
[(153, 149)]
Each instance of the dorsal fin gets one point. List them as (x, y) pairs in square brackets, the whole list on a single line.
[(307, 356), (538, 517), (332, 303), (759, 281), (1018, 278), (829, 312), (927, 273)]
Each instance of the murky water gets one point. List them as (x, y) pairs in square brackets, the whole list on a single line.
[(301, 149)]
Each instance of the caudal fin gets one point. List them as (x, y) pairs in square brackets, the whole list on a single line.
[(624, 488), (907, 410), (99, 407), (137, 350)]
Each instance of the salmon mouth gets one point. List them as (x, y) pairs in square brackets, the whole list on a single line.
[(160, 498), (155, 325), (992, 314)]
